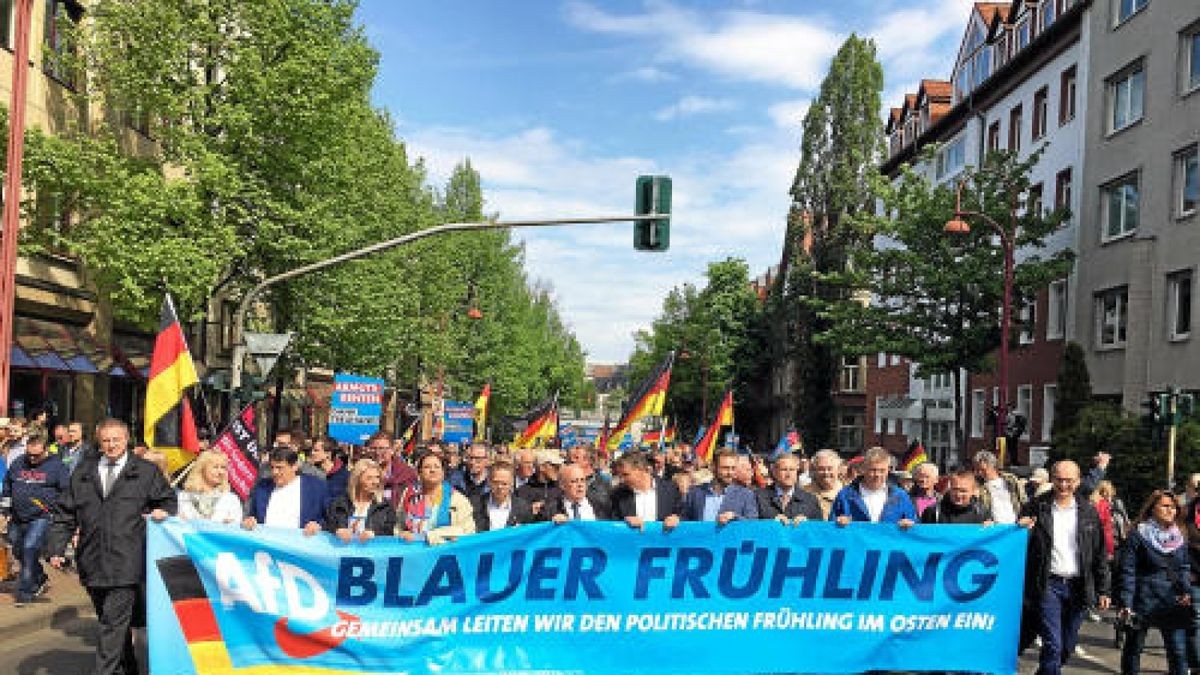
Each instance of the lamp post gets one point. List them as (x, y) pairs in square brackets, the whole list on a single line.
[(958, 225)]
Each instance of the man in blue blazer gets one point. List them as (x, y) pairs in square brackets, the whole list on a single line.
[(871, 498), (288, 498), (721, 501)]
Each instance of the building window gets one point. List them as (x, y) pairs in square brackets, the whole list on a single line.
[(6, 23), (1062, 190), (1039, 112), (1014, 129), (1066, 96), (1049, 400), (1191, 60), (1056, 310), (952, 158), (1027, 316), (1127, 8), (850, 374), (1121, 205), (1025, 407), (1126, 92), (1179, 312), (56, 38), (1022, 36), (895, 359), (1112, 314), (1187, 181), (1047, 13), (1034, 205), (993, 136), (940, 381), (878, 416), (850, 431), (978, 403)]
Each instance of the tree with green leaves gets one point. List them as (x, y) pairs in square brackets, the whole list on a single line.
[(839, 152), (1074, 390), (934, 296)]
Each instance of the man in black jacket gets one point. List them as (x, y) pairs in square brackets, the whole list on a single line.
[(960, 505), (107, 500), (497, 507), (640, 498), (786, 501), (1066, 571), (573, 500)]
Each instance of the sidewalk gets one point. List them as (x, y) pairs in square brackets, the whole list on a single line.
[(64, 600)]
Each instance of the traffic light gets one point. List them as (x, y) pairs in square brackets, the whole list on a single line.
[(653, 198), (1155, 410), (1185, 407)]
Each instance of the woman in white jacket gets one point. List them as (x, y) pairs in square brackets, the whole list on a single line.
[(206, 494)]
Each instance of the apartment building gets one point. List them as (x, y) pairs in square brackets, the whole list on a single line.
[(1139, 243), (1015, 85)]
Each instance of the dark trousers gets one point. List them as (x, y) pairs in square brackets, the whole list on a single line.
[(115, 610), (1058, 623), (27, 539), (1174, 640)]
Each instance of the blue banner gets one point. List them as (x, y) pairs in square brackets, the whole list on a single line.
[(588, 597), (459, 422), (355, 408)]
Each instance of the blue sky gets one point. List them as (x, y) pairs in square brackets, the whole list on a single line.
[(560, 105)]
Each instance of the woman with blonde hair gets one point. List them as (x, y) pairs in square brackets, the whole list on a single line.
[(206, 494), (432, 510), (361, 511)]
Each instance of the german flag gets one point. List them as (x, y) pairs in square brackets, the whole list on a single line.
[(647, 401), (170, 426), (708, 442), (541, 424), (481, 406), (916, 457)]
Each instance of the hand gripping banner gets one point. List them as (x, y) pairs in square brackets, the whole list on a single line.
[(588, 597)]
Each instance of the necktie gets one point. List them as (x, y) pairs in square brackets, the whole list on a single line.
[(575, 511), (110, 476)]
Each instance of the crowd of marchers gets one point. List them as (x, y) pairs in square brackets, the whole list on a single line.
[(71, 500)]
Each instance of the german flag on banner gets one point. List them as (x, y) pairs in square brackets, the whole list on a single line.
[(647, 401), (481, 406), (541, 424), (707, 444), (170, 426)]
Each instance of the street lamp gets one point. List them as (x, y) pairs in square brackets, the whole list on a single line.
[(958, 225)]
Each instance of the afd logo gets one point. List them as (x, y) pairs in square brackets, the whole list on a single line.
[(304, 602)]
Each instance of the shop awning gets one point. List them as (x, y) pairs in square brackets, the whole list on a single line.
[(48, 345)]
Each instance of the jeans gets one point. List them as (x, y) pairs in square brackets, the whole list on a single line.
[(1174, 640), (1193, 653), (27, 539), (1058, 624)]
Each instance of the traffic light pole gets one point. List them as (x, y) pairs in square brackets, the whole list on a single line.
[(239, 318), (1172, 407)]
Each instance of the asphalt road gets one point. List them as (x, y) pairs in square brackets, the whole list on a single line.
[(69, 648)]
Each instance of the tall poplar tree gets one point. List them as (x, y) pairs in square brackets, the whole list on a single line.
[(839, 152)]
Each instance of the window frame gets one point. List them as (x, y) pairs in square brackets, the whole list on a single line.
[(1180, 183), (978, 412), (1113, 86), (993, 136), (1026, 409), (1035, 201), (1177, 282), (1132, 178), (1015, 120), (1068, 86), (1027, 320), (1041, 109), (1189, 71), (1049, 401), (1136, 9), (1057, 302), (1121, 312)]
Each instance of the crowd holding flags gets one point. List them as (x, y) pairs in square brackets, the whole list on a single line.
[(170, 426), (706, 446), (541, 425), (916, 457), (647, 401)]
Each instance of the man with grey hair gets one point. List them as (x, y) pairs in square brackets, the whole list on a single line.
[(871, 498), (1000, 492), (825, 484)]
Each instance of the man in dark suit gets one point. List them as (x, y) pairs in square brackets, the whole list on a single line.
[(496, 507), (786, 501), (288, 498), (574, 501), (721, 500), (106, 500), (640, 498)]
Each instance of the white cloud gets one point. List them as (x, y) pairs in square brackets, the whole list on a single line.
[(789, 114), (651, 74), (741, 45), (725, 203), (921, 42), (694, 105)]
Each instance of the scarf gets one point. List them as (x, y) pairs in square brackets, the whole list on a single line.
[(417, 516), (1163, 541)]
